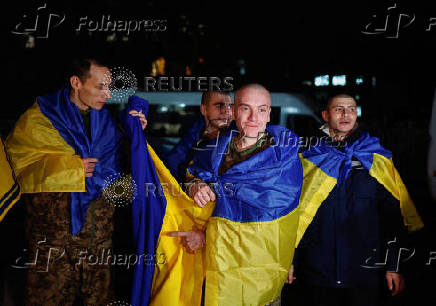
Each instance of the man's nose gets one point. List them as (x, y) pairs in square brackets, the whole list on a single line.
[(253, 116), (226, 110), (346, 112)]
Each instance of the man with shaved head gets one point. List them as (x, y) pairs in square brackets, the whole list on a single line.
[(255, 181)]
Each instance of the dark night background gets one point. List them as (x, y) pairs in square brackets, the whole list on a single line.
[(280, 45)]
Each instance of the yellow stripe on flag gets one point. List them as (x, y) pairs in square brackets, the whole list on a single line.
[(41, 158)]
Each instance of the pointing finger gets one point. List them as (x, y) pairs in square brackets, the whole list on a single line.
[(179, 234)]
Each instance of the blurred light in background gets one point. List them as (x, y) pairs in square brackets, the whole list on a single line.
[(339, 80), (188, 70), (158, 67), (322, 80)]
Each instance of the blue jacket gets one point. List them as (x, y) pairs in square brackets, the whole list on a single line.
[(354, 237), (181, 155)]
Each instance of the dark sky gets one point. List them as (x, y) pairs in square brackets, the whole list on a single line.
[(281, 45)]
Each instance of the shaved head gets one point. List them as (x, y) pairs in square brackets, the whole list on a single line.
[(253, 87)]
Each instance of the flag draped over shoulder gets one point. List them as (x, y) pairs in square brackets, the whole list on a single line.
[(9, 189), (165, 274), (250, 237), (325, 166), (48, 142)]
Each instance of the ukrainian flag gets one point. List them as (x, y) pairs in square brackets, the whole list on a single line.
[(325, 166), (9, 189), (165, 274), (48, 142), (250, 237)]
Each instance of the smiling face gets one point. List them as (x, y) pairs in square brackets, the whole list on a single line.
[(340, 115), (252, 111), (93, 91), (217, 110)]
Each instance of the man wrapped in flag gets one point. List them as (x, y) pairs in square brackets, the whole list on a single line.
[(9, 189), (62, 149), (216, 111), (247, 256), (255, 176), (354, 209)]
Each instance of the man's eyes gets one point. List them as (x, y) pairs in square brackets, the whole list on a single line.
[(341, 109)]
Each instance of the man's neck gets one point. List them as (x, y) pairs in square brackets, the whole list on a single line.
[(82, 106), (337, 135), (244, 142), (210, 132)]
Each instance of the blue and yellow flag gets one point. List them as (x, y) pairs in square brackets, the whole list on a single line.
[(324, 166), (250, 237), (48, 142), (9, 189), (166, 273)]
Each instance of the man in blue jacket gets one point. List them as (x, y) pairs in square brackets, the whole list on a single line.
[(216, 110), (353, 204)]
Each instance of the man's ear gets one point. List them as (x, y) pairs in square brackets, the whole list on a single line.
[(203, 110), (325, 115), (75, 82)]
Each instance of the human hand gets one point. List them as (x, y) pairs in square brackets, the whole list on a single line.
[(291, 276), (89, 165), (141, 116), (191, 240), (201, 194), (396, 282)]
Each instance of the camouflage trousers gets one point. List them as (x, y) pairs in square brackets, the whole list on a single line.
[(66, 267)]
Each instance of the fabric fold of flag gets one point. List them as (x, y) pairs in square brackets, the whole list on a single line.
[(165, 274), (325, 166), (10, 191), (48, 142), (250, 237)]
